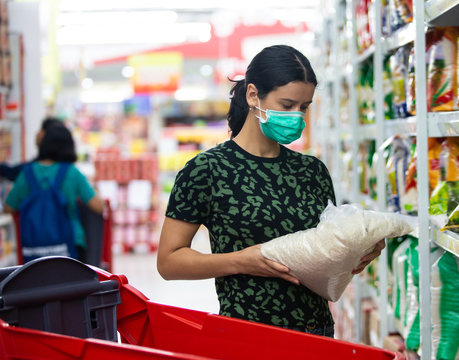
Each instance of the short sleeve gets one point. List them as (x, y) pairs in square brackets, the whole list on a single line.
[(84, 190), (191, 195), (19, 192)]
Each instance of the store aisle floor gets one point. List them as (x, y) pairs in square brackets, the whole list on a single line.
[(140, 269)]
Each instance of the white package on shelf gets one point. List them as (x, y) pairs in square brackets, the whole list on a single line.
[(323, 258)]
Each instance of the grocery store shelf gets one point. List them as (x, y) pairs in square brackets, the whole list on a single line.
[(5, 219), (443, 124), (442, 12), (366, 54), (400, 38), (447, 240), (400, 127)]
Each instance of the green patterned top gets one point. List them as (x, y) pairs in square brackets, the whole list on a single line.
[(245, 200)]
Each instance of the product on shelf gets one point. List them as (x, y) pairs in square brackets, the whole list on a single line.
[(399, 75), (405, 295), (400, 13), (396, 169), (323, 258), (411, 86), (443, 205), (449, 159), (388, 90), (434, 154), (409, 201), (445, 307), (366, 96), (442, 71), (363, 14)]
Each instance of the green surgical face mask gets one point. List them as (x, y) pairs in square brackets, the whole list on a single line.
[(281, 126)]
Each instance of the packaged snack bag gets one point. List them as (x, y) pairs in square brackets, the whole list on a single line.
[(449, 159), (445, 307), (434, 153), (441, 71), (399, 71), (388, 90)]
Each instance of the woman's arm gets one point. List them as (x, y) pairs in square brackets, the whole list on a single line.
[(176, 260), (96, 204)]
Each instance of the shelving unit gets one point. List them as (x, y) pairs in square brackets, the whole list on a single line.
[(422, 126)]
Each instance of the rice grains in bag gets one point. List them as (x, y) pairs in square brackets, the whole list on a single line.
[(323, 258)]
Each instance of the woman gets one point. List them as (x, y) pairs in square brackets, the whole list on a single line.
[(249, 190), (57, 146), (11, 172)]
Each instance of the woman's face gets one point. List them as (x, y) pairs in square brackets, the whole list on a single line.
[(294, 96)]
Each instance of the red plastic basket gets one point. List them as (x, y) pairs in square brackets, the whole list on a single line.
[(154, 331)]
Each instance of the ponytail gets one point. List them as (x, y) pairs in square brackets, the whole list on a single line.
[(239, 108)]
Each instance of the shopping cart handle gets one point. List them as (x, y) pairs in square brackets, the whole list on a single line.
[(41, 295)]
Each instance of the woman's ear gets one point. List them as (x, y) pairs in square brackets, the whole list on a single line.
[(252, 95)]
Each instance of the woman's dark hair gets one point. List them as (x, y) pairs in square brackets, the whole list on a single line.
[(50, 122), (57, 145), (273, 67)]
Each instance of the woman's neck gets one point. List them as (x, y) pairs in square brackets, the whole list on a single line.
[(252, 140), (46, 162)]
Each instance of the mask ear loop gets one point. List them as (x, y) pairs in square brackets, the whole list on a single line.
[(264, 121)]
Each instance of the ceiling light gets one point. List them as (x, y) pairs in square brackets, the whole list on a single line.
[(133, 34), (191, 94), (87, 83), (116, 17), (206, 70), (127, 71)]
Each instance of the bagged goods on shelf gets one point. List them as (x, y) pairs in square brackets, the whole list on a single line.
[(405, 295), (449, 159), (366, 96), (400, 13), (399, 72), (412, 312), (433, 154), (409, 202), (323, 258), (399, 298), (442, 71), (364, 34), (445, 307), (444, 200), (388, 90), (396, 168)]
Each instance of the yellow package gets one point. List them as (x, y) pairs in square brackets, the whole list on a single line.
[(449, 161)]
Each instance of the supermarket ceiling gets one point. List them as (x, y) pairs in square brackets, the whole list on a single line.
[(95, 30)]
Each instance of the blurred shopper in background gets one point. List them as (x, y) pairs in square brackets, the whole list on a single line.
[(57, 147), (11, 172), (251, 189)]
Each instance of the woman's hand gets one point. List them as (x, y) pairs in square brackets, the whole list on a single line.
[(252, 262), (364, 261)]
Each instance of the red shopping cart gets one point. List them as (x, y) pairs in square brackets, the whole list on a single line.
[(148, 330)]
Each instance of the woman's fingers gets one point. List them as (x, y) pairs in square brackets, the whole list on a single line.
[(365, 260), (281, 271)]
